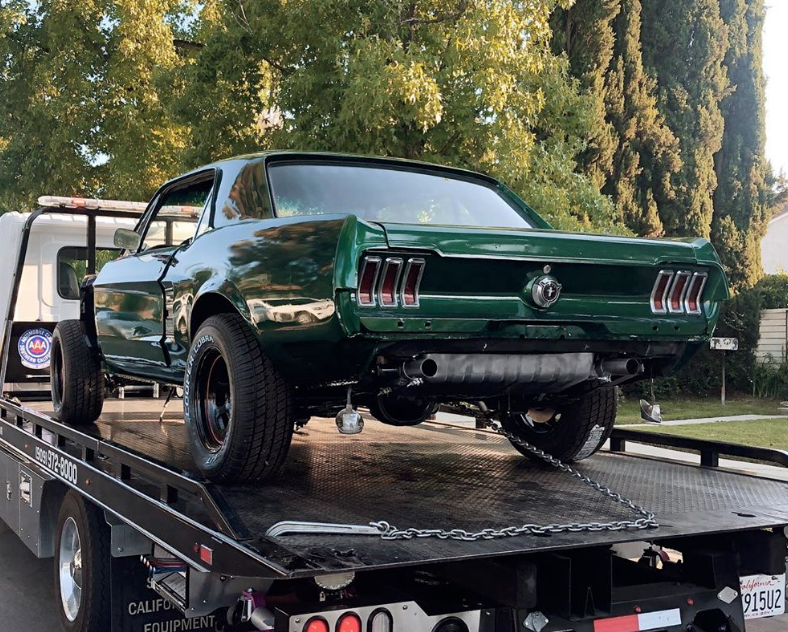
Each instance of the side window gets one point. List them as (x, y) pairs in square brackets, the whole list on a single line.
[(243, 195), (72, 265), (176, 216)]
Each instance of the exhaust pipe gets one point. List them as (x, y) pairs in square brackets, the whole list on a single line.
[(621, 366), (419, 368)]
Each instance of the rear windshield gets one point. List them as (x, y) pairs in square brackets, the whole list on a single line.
[(384, 194)]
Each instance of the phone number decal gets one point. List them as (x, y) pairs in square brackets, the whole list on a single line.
[(58, 464)]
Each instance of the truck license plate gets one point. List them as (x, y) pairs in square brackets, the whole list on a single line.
[(763, 595)]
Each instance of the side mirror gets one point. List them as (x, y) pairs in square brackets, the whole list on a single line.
[(126, 239)]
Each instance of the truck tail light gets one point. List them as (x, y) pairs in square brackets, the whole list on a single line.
[(693, 301), (392, 268), (389, 281), (349, 623), (381, 621), (368, 280), (411, 282), (659, 295), (678, 292), (316, 624)]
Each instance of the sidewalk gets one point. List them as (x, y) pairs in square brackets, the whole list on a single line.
[(707, 420)]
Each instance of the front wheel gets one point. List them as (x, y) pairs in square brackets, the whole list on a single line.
[(238, 408), (82, 566), (575, 432)]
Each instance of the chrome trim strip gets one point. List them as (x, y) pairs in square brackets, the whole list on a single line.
[(681, 274), (412, 262), (390, 261), (366, 262), (698, 277), (668, 285)]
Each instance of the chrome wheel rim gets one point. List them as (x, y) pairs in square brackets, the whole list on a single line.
[(70, 569)]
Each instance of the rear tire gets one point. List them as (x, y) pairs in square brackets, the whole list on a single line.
[(82, 566), (238, 409), (583, 428), (76, 376)]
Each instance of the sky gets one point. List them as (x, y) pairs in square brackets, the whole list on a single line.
[(775, 65)]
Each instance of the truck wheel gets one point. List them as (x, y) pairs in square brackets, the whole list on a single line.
[(77, 379), (238, 409), (82, 566), (402, 411), (581, 429)]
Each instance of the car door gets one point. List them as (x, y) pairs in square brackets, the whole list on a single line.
[(128, 294)]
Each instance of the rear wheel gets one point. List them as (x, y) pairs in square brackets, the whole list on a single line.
[(402, 411), (238, 409), (575, 432), (76, 376), (82, 573)]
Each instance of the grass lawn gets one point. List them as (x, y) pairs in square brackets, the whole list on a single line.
[(629, 411), (766, 433)]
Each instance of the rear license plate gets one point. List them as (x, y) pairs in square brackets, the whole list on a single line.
[(763, 595)]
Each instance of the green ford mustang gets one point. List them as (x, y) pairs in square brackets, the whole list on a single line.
[(278, 286)]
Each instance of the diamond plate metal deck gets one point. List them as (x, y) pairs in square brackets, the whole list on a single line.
[(434, 475)]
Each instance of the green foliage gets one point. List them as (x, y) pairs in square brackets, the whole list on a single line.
[(684, 45), (633, 154), (743, 197), (81, 110), (470, 83)]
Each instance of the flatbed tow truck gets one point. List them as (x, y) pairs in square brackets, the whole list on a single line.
[(435, 528)]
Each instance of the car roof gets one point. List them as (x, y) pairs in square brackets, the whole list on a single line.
[(325, 155)]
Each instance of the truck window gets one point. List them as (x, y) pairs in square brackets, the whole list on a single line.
[(72, 265)]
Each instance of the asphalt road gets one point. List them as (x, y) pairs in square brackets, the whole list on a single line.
[(28, 602)]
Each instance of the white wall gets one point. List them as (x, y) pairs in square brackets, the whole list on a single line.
[(774, 247), (773, 344)]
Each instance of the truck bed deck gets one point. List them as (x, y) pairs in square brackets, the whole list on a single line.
[(439, 475)]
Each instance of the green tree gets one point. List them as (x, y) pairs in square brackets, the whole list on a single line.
[(80, 106), (743, 196), (633, 153), (472, 83), (684, 45)]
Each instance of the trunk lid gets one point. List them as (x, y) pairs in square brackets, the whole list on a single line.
[(548, 245)]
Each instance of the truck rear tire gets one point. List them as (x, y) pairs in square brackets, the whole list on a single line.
[(238, 409), (75, 372), (582, 429), (82, 566)]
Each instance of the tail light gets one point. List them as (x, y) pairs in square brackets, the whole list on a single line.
[(693, 301), (659, 295), (349, 623), (368, 280), (316, 624), (678, 292), (411, 282), (392, 269), (389, 282), (381, 621)]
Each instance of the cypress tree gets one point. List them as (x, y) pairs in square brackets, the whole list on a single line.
[(684, 45), (742, 198), (633, 154)]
